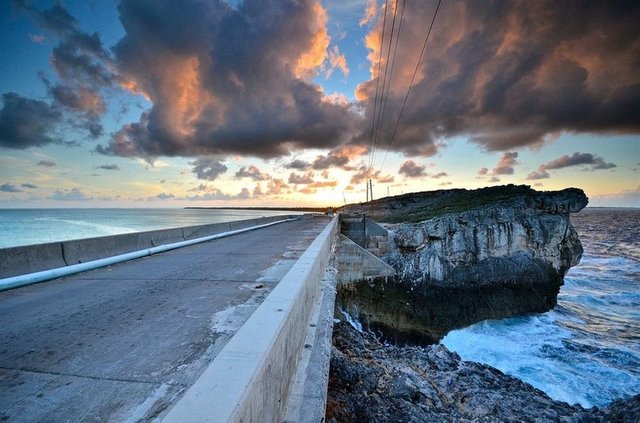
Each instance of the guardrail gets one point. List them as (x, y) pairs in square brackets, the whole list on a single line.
[(29, 264), (249, 380)]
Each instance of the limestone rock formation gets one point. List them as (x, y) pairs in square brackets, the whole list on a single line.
[(371, 382), (463, 256)]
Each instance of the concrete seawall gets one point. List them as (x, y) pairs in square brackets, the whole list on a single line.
[(35, 258), (249, 381)]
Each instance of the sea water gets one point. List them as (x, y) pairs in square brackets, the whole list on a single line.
[(587, 349), (35, 226)]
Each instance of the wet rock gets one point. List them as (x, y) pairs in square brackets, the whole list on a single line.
[(370, 382)]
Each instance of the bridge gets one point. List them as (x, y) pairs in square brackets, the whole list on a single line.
[(223, 322)]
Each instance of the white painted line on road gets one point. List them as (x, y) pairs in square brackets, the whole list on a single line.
[(45, 275)]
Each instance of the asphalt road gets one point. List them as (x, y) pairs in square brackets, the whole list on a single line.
[(123, 343)]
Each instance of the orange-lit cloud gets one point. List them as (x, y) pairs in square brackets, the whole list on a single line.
[(215, 89), (312, 59), (370, 11)]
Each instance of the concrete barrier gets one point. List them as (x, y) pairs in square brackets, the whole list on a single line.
[(250, 379), (35, 258)]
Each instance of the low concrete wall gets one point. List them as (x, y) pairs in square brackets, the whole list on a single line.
[(250, 379), (35, 258), (356, 264)]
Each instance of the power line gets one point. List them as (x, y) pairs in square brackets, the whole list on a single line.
[(375, 100), (415, 71), (385, 93)]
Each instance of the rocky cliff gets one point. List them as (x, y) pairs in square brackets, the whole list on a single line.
[(462, 256), (372, 382)]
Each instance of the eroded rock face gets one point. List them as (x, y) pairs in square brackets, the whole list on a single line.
[(490, 246), (371, 382), (502, 255)]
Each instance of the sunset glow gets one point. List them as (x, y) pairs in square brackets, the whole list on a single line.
[(285, 103)]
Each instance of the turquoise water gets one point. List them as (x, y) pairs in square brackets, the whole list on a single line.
[(587, 349), (34, 226)]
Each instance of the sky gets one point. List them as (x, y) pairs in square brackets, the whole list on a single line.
[(176, 103)]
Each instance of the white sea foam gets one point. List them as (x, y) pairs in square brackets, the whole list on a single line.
[(587, 349)]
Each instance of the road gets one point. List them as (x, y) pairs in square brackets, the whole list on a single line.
[(123, 343)]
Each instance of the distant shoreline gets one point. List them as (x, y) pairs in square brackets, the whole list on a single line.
[(295, 209)]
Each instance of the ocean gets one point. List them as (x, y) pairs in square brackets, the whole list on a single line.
[(35, 226), (587, 349)]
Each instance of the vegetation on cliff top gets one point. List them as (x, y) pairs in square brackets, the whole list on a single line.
[(421, 206)]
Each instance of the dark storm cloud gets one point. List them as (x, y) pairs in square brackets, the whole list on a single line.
[(208, 168), (510, 74), (26, 123), (225, 80)]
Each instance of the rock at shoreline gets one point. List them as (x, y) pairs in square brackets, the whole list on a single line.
[(464, 256), (373, 382)]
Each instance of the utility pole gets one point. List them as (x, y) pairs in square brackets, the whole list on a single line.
[(371, 188)]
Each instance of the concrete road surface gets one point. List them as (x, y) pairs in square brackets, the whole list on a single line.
[(123, 343)]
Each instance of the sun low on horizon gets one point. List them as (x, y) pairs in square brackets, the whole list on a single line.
[(293, 103)]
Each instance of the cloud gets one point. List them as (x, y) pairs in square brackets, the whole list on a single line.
[(27, 123), (46, 163), (298, 165), (108, 167), (492, 73), (214, 194), (207, 168), (73, 194), (541, 173), (9, 188), (29, 186), (370, 12), (626, 198), (163, 197), (80, 99), (364, 173), (252, 172), (505, 165), (439, 175), (298, 179), (226, 80), (411, 169), (82, 64), (483, 171), (275, 186), (338, 157), (336, 61), (577, 159)]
